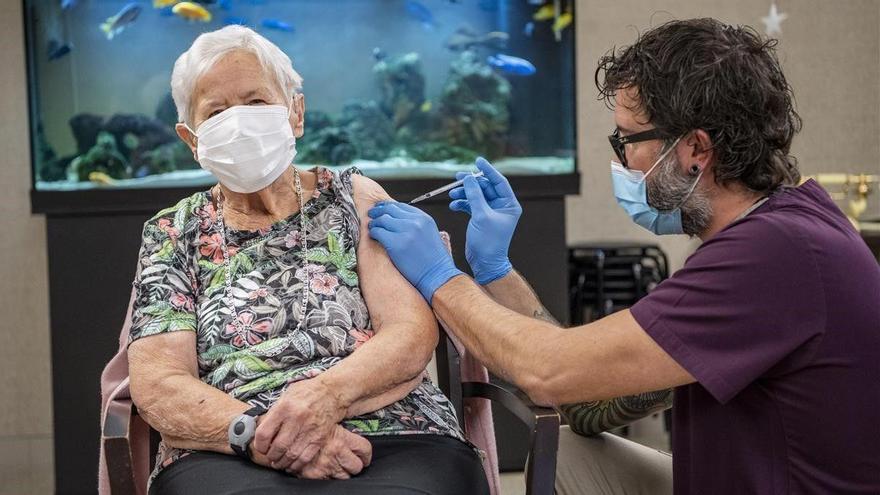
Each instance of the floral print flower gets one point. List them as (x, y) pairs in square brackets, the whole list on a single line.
[(310, 270), (324, 284), (210, 247), (207, 215), (258, 293), (165, 226), (293, 239), (360, 336), (325, 178), (181, 302), (245, 329)]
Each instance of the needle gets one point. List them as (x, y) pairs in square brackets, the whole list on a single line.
[(442, 190)]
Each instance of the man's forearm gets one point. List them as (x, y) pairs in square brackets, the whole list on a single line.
[(513, 292), (502, 339), (587, 418), (592, 418)]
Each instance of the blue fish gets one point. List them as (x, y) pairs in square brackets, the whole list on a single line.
[(528, 29), (57, 49), (167, 11), (117, 23), (68, 4), (241, 21), (277, 24), (419, 12), (511, 65), (379, 54), (225, 4)]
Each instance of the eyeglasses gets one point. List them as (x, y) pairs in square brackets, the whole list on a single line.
[(618, 142)]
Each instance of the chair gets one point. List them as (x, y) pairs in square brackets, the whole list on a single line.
[(128, 462)]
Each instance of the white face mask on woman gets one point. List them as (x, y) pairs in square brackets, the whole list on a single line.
[(247, 147)]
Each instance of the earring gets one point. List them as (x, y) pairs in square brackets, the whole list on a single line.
[(695, 169)]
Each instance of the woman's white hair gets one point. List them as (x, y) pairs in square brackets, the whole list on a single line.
[(210, 47)]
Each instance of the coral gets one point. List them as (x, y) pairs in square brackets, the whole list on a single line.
[(330, 145), (474, 106), (402, 86), (85, 128), (165, 158), (440, 151), (369, 130), (150, 133), (104, 157)]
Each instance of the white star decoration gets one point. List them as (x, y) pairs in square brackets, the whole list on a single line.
[(773, 21)]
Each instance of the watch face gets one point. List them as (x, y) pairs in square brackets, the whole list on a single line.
[(241, 432)]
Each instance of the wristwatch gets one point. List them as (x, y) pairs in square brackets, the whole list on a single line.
[(242, 430)]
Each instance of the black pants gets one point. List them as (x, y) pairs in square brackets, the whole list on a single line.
[(401, 464)]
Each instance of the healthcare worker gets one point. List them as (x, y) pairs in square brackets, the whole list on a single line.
[(770, 333)]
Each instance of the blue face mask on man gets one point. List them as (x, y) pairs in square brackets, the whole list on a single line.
[(631, 192)]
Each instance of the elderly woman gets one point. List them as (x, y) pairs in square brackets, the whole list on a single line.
[(274, 345)]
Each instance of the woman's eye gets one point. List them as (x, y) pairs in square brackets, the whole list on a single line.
[(257, 102), (215, 112)]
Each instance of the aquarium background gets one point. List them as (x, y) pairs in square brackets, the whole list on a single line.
[(400, 89)]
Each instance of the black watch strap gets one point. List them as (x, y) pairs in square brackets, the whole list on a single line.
[(239, 427)]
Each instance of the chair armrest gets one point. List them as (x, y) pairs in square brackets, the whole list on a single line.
[(116, 440), (543, 424)]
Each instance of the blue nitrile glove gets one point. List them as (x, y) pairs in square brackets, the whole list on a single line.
[(413, 242), (494, 212)]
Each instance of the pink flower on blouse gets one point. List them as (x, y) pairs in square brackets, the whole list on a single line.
[(310, 269), (325, 178), (181, 301), (208, 214), (324, 284), (245, 329), (360, 336), (293, 239), (165, 226), (209, 247), (258, 293)]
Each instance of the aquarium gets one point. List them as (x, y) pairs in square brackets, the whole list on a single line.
[(401, 89)]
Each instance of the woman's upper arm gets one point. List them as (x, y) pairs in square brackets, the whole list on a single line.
[(390, 298)]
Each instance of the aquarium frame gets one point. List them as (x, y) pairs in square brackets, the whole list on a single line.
[(150, 200)]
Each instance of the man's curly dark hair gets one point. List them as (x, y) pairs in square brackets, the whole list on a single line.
[(726, 80)]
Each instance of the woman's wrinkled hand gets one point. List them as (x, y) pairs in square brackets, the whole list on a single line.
[(345, 454), (299, 425)]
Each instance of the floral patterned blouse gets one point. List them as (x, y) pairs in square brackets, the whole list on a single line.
[(181, 286)]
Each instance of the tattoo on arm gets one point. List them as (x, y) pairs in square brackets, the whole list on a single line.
[(542, 314), (592, 418)]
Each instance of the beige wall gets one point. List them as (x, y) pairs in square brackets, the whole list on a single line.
[(830, 50), (25, 383)]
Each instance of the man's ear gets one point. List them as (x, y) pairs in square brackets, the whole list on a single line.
[(187, 137), (702, 149)]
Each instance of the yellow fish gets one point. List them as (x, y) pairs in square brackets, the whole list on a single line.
[(562, 22), (192, 11), (545, 13), (101, 178), (426, 106), (160, 4)]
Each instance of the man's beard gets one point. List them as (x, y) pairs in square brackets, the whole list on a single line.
[(667, 186)]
